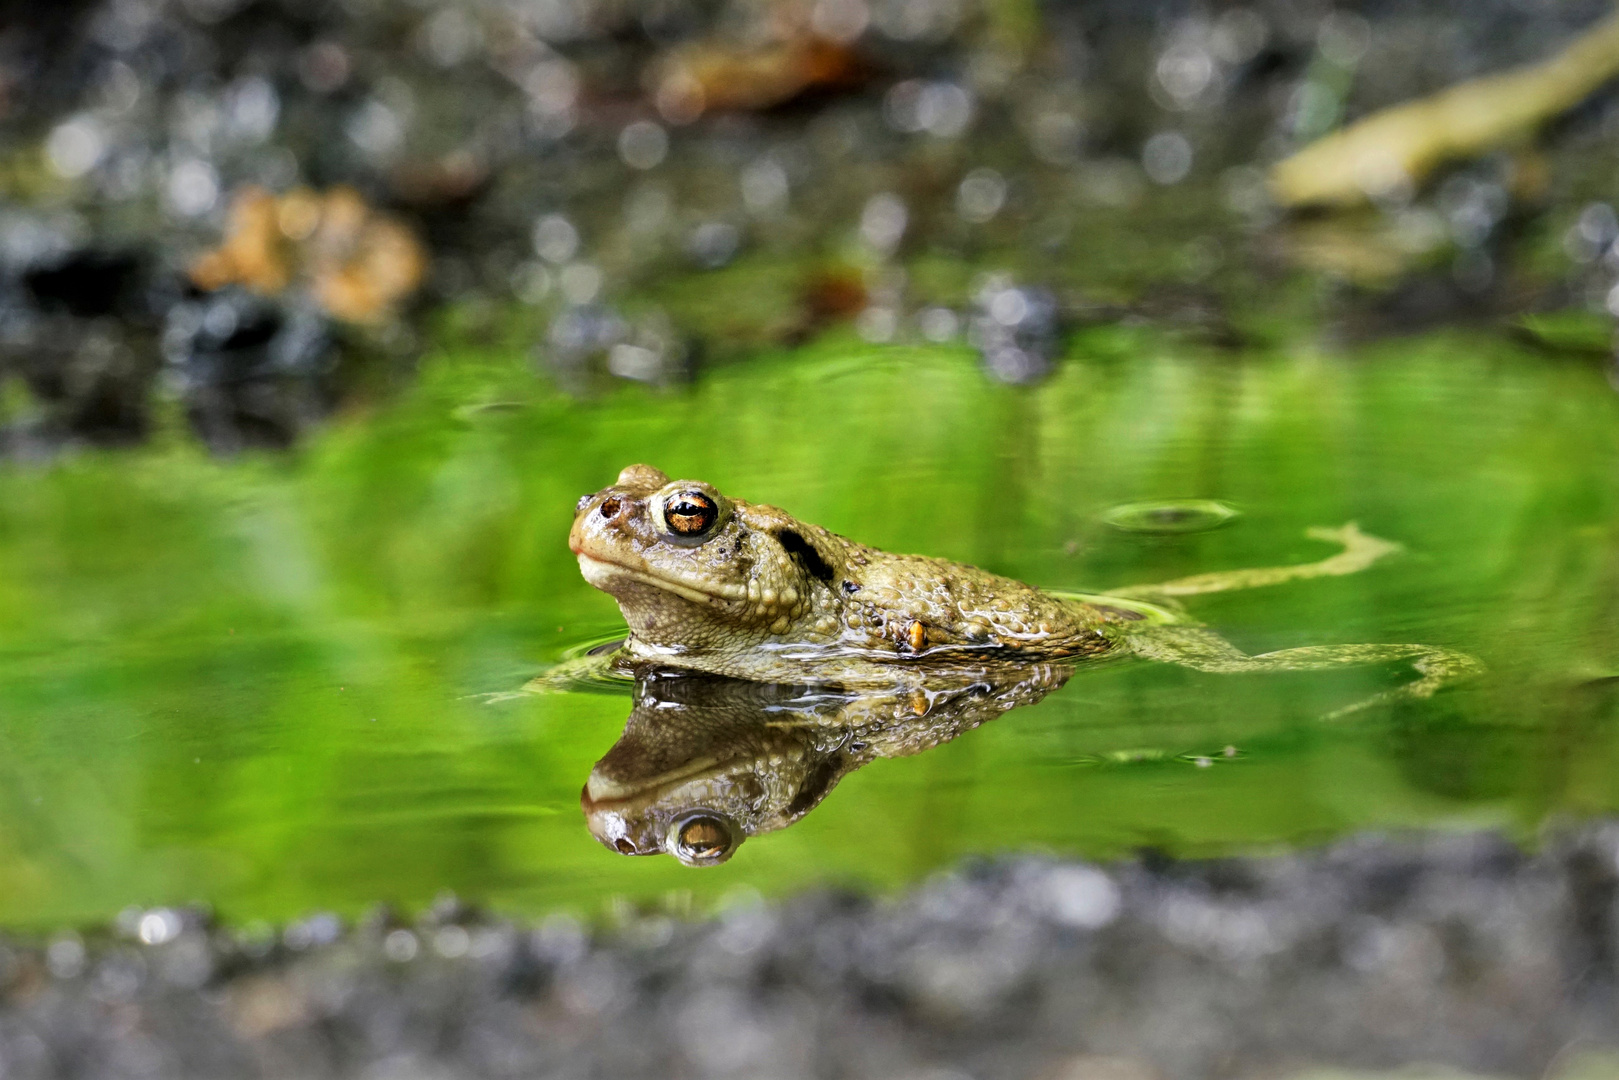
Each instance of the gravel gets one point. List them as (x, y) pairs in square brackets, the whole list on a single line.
[(1450, 950)]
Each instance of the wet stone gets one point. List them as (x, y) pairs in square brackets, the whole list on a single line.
[(249, 370)]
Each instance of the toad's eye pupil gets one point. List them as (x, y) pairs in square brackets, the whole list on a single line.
[(690, 513)]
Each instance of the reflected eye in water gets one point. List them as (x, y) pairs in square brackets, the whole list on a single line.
[(690, 513), (703, 840)]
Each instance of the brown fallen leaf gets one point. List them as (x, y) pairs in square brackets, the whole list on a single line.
[(710, 77), (357, 262), (251, 254)]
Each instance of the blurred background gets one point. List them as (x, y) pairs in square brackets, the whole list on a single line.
[(316, 319), (251, 214)]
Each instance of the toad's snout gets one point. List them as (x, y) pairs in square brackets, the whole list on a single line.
[(599, 522)]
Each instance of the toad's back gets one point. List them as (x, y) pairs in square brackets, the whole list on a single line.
[(919, 603)]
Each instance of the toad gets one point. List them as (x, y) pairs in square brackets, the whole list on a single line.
[(710, 583)]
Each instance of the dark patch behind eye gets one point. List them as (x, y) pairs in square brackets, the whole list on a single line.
[(816, 785), (805, 555)]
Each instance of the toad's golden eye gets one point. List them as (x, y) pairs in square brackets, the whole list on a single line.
[(690, 513), (703, 840)]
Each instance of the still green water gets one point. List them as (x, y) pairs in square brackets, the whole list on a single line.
[(261, 684)]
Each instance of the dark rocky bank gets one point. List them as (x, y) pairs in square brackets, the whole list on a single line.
[(962, 172), (1456, 951)]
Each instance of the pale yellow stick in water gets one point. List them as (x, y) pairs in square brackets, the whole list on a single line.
[(1360, 551), (1406, 142)]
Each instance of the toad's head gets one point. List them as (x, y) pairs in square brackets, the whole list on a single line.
[(694, 570)]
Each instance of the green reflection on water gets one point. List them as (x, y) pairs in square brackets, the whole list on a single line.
[(259, 683)]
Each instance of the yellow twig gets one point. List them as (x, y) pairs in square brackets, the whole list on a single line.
[(1406, 142)]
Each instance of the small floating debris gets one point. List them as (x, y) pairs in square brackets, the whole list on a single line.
[(477, 409), (1155, 756), (1171, 516), (1204, 761), (1133, 756)]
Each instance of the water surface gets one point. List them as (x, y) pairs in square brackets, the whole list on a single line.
[(262, 684)]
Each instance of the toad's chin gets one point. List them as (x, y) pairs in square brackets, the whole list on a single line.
[(598, 572)]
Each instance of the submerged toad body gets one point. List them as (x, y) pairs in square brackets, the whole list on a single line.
[(714, 584)]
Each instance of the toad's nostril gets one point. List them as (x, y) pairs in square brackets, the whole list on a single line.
[(625, 845), (610, 508)]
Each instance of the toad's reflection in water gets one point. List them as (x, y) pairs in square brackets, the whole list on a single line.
[(706, 762)]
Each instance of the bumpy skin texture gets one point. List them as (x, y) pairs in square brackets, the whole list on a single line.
[(761, 595)]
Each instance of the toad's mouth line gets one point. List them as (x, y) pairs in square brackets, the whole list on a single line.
[(597, 570), (602, 793)]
